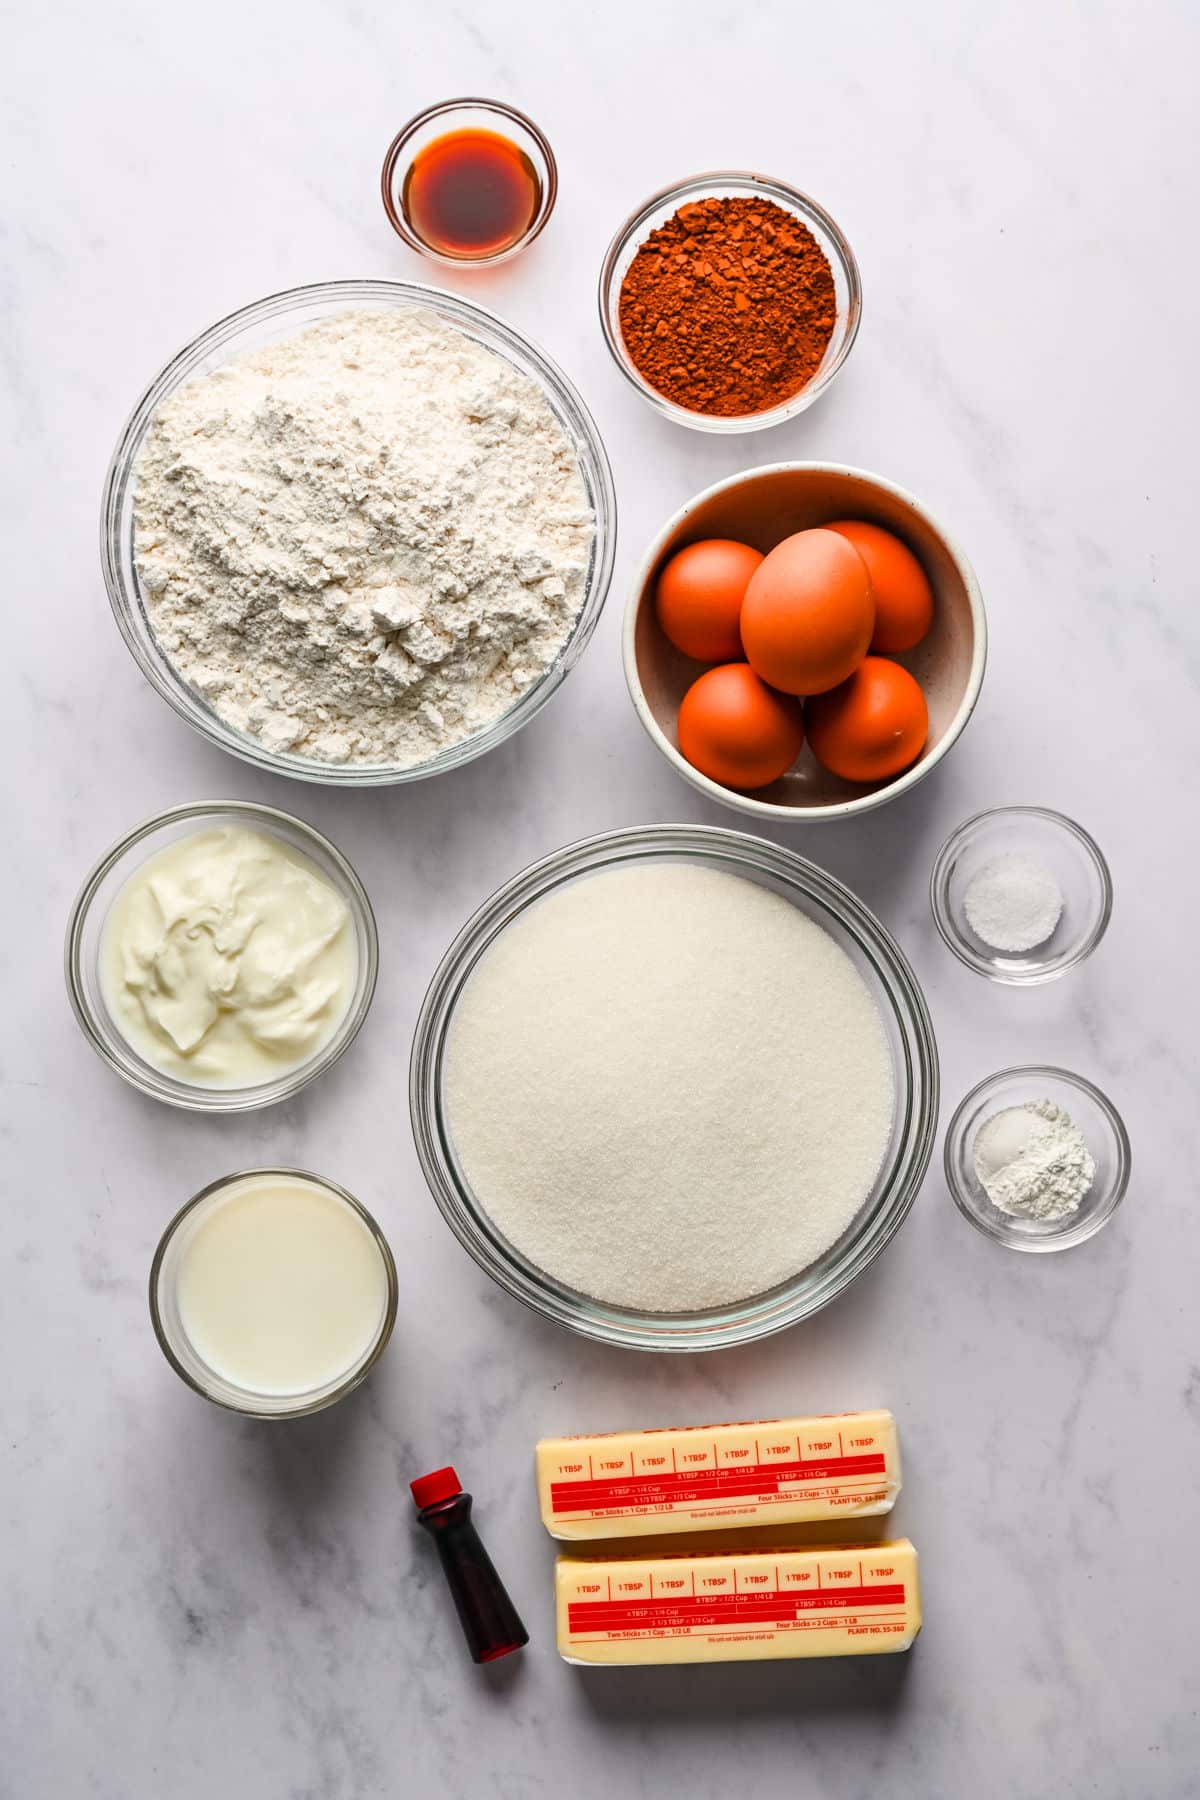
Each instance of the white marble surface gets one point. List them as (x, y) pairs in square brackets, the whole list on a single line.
[(193, 1606)]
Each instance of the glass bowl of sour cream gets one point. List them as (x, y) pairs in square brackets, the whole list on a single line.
[(221, 956)]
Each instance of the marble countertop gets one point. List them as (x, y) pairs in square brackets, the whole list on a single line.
[(194, 1605)]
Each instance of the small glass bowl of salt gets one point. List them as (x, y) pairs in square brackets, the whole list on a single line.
[(1037, 1158), (1021, 894)]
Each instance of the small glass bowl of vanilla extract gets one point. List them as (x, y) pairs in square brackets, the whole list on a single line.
[(469, 181)]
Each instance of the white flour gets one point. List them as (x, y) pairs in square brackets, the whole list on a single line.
[(668, 1088), (1013, 904), (363, 543), (1033, 1161)]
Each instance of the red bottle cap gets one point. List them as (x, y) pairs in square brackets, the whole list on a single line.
[(442, 1484)]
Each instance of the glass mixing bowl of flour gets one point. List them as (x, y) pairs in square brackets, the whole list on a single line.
[(282, 316), (885, 977)]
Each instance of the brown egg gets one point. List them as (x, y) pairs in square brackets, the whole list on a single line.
[(871, 727), (903, 596), (737, 730), (699, 598), (808, 614)]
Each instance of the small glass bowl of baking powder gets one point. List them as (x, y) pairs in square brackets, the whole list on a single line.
[(1102, 1131), (1021, 894)]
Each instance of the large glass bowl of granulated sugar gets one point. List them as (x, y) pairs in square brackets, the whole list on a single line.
[(674, 1087)]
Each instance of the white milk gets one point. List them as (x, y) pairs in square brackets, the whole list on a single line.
[(282, 1288)]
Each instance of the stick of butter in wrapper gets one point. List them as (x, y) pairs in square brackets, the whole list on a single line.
[(699, 1478), (860, 1600)]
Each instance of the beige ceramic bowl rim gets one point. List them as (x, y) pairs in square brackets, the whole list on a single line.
[(840, 809)]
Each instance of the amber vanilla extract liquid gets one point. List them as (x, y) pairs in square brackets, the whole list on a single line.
[(471, 194)]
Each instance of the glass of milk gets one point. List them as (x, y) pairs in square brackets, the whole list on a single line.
[(273, 1292)]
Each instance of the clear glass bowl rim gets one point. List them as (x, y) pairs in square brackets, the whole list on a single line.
[(939, 884), (304, 1407), (1034, 1073), (441, 109), (814, 1287), (173, 1091), (768, 187), (121, 587)]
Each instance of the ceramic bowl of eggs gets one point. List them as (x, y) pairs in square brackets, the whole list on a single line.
[(804, 642)]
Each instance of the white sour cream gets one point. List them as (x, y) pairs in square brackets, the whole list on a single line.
[(227, 959)]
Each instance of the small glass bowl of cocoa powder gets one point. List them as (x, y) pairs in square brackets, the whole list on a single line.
[(730, 301)]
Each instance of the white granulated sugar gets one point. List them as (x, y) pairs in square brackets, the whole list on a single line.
[(668, 1087), (1033, 1162), (362, 543), (1013, 904)]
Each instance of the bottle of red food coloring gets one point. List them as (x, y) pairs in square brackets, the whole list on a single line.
[(489, 1619)]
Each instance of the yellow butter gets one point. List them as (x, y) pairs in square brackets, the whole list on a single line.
[(699, 1478), (860, 1600)]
